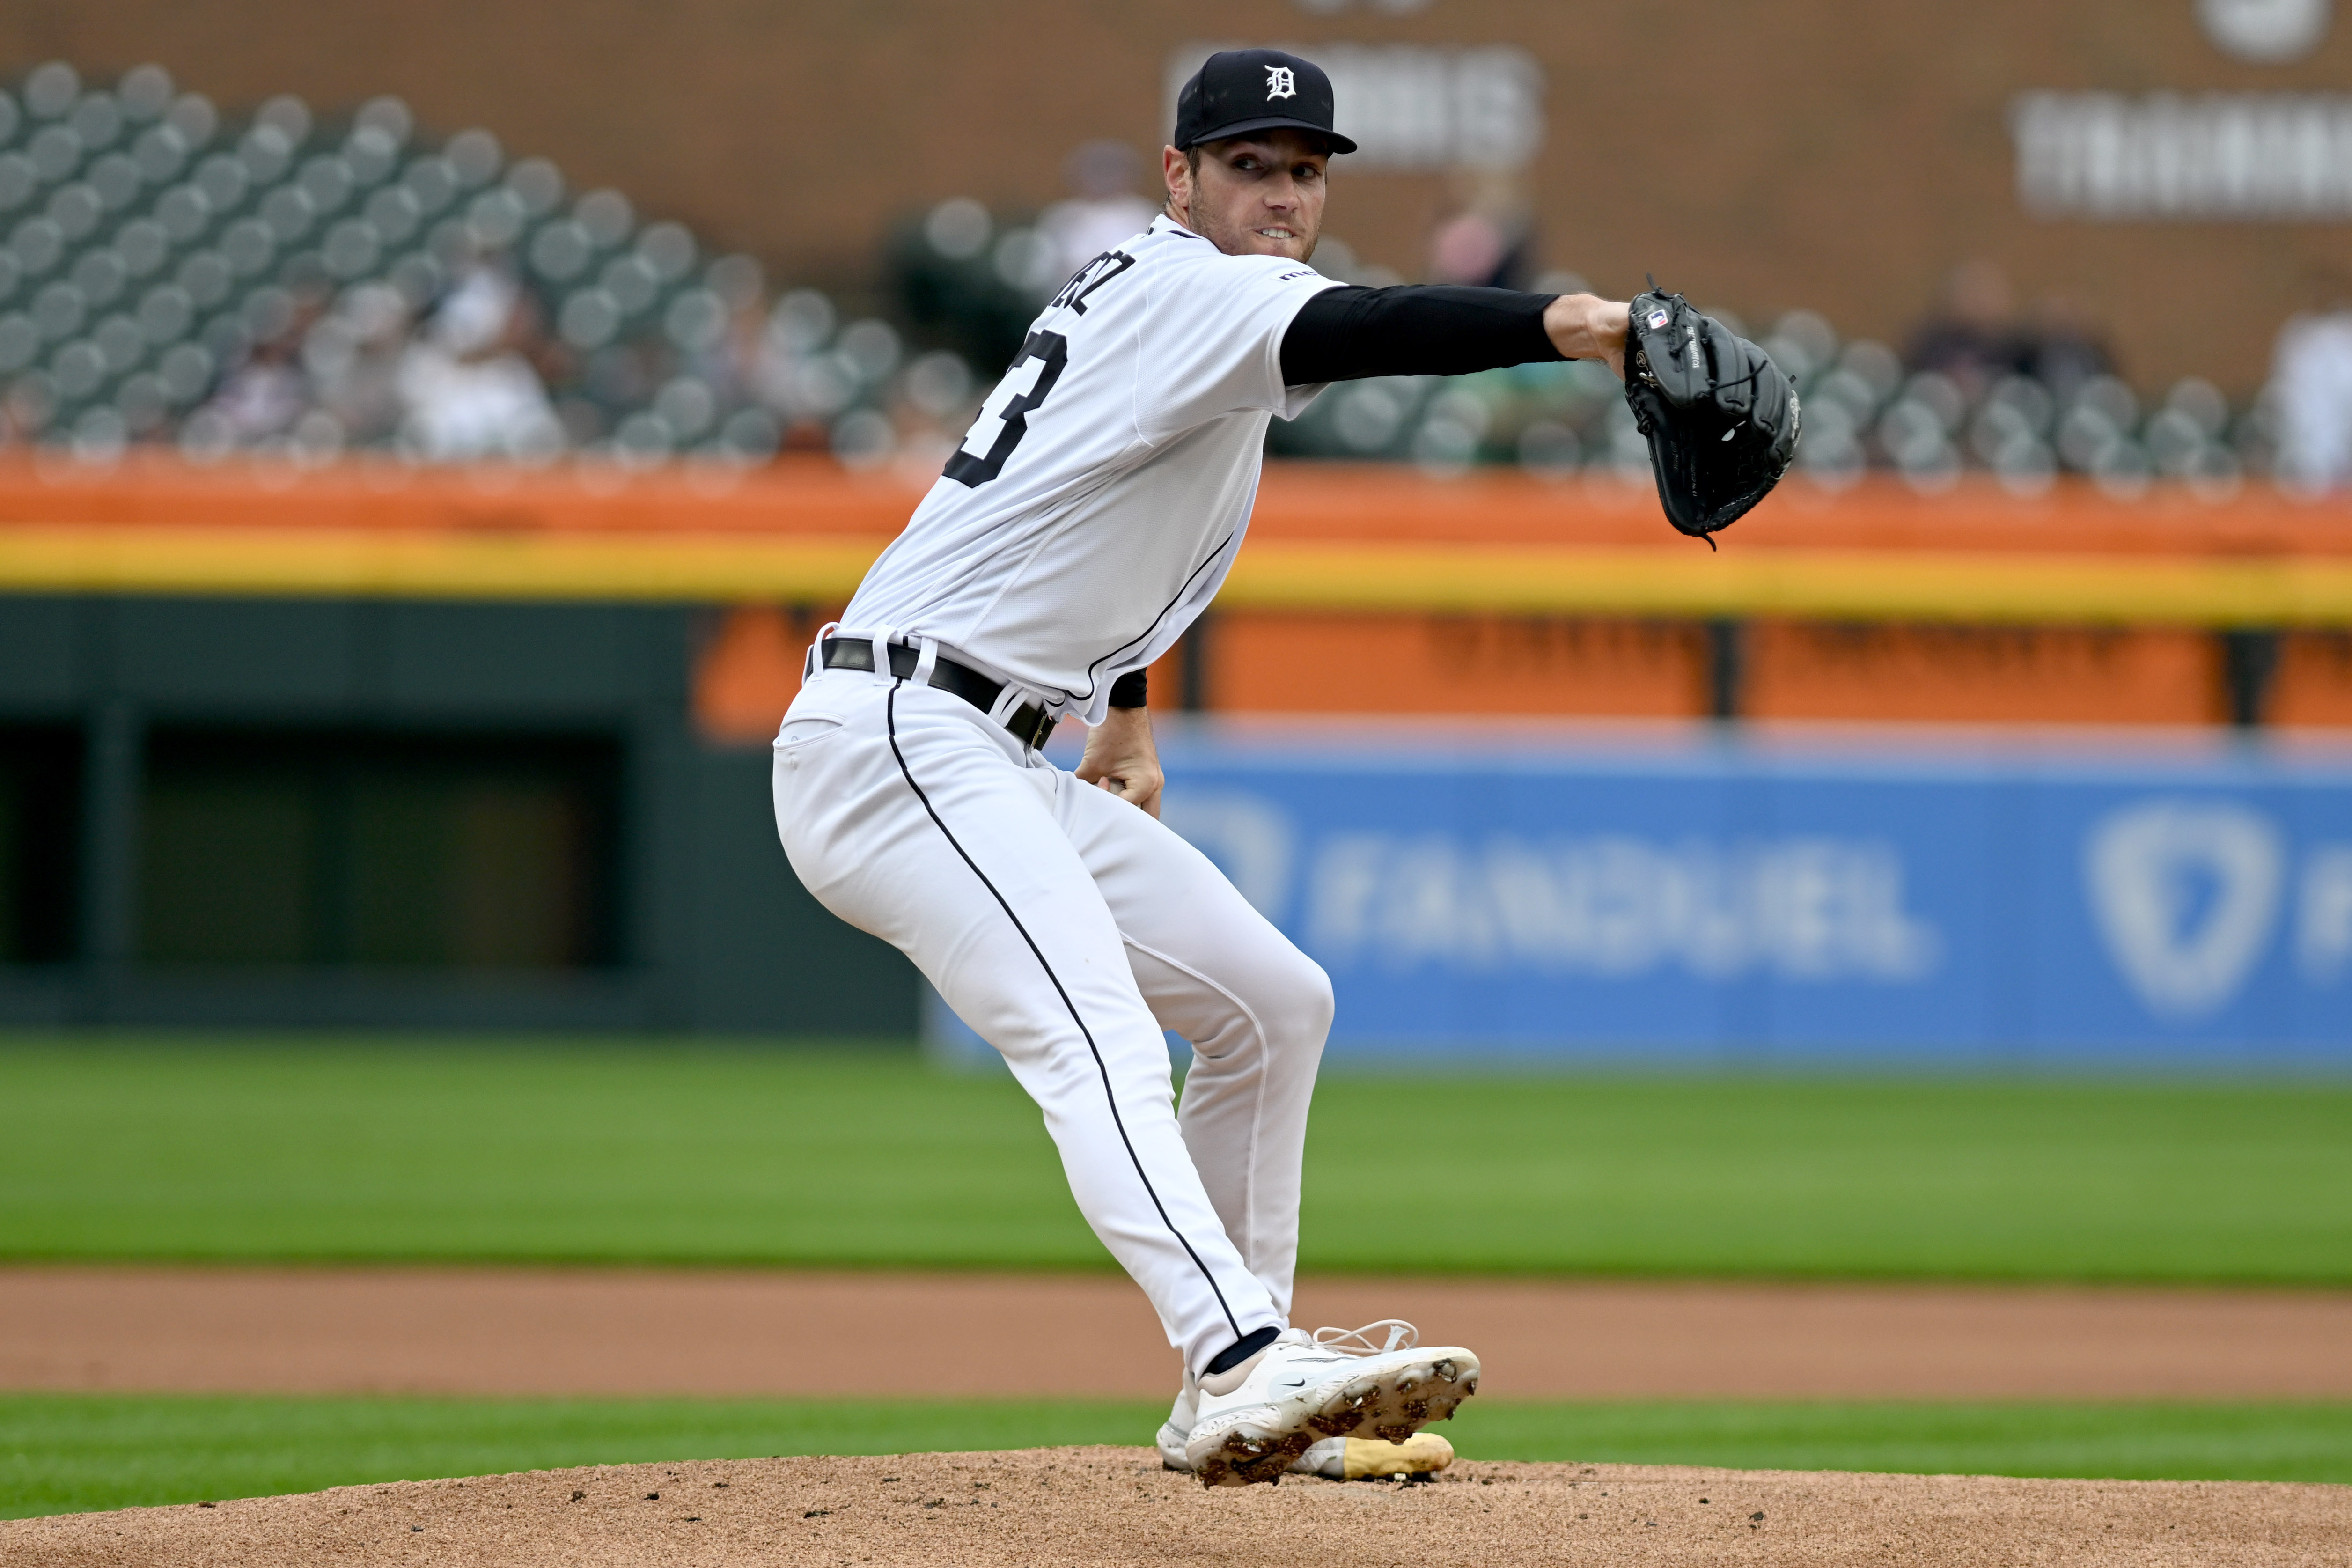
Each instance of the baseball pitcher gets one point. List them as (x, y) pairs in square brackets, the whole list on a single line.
[(1086, 520)]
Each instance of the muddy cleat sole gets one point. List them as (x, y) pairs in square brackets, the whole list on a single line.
[(1397, 1396), (1248, 1452)]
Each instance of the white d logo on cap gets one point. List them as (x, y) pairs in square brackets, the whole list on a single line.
[(1278, 83)]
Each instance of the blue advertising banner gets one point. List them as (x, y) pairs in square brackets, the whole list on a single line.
[(1723, 901)]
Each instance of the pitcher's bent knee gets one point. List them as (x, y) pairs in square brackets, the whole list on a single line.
[(1301, 1009)]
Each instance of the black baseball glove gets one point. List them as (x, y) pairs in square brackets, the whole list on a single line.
[(1720, 416)]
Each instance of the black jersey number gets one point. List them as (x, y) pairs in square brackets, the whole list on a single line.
[(1004, 417)]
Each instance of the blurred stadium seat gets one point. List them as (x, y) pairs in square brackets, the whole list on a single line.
[(969, 275), (155, 252), (168, 276)]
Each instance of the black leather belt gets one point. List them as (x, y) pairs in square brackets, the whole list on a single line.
[(1030, 722)]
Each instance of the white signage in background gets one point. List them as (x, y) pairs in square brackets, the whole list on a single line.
[(2185, 894), (1802, 908), (2324, 934), (2188, 895), (1393, 7), (2254, 156), (2267, 32), (1418, 106)]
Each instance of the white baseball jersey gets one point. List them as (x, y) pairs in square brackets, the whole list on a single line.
[(1098, 502), (1089, 515)]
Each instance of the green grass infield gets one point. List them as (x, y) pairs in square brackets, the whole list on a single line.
[(72, 1453), (221, 1149)]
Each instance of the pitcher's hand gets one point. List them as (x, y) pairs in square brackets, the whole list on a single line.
[(1121, 758)]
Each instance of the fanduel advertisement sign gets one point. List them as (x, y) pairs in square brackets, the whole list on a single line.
[(1728, 903)]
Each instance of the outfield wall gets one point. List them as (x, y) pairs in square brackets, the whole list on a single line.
[(1660, 897), (363, 745), (231, 812)]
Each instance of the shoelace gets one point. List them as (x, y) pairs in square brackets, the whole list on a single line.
[(1402, 1336)]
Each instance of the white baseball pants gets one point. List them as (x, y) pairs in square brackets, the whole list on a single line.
[(1069, 928)]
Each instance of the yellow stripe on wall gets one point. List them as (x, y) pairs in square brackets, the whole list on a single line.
[(1956, 586), (425, 565), (1905, 586)]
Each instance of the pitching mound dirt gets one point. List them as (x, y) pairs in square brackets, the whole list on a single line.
[(1095, 1506)]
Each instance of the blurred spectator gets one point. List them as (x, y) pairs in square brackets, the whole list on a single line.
[(2063, 350), (467, 389), (2312, 372), (1485, 243), (268, 393), (353, 357), (1972, 337), (1103, 210), (26, 408), (731, 364), (262, 397)]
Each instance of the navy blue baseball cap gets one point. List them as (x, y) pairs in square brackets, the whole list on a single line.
[(1237, 91)]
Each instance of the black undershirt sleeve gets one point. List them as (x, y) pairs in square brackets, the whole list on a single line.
[(1347, 333)]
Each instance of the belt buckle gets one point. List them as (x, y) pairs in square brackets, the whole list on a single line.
[(1032, 724)]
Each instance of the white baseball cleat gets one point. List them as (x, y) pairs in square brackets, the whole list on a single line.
[(1253, 1422), (1177, 1427)]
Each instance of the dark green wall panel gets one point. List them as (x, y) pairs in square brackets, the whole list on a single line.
[(271, 659), (766, 954), (714, 932), (39, 640), (535, 658)]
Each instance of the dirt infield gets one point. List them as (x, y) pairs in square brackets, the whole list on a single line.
[(493, 1331), (1117, 1506)]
